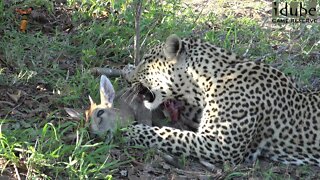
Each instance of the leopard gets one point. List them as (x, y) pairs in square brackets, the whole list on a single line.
[(247, 109)]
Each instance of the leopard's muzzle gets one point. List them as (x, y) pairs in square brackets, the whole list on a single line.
[(146, 94)]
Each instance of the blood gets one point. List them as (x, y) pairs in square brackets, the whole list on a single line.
[(173, 107)]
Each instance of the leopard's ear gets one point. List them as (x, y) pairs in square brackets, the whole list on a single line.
[(173, 49)]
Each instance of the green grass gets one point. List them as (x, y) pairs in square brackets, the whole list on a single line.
[(39, 144)]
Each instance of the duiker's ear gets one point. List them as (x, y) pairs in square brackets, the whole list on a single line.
[(91, 101), (173, 48), (75, 114), (107, 93)]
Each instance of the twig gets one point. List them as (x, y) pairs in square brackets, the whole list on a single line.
[(20, 150), (281, 50), (249, 47), (17, 172), (6, 102), (151, 28), (217, 175), (106, 71), (137, 163), (203, 7), (137, 32), (264, 21)]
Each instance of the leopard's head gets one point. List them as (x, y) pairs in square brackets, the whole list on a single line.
[(160, 72)]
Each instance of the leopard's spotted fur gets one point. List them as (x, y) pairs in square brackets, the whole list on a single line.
[(249, 109)]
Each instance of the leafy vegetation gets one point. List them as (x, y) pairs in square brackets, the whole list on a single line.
[(47, 68)]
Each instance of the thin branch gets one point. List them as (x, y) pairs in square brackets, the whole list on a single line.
[(137, 32), (17, 172), (106, 71), (6, 102), (151, 28), (200, 14)]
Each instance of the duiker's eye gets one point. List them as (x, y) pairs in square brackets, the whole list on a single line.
[(100, 112)]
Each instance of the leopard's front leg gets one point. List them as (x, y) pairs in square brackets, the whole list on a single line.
[(177, 142)]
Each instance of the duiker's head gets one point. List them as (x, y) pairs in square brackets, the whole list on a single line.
[(102, 118)]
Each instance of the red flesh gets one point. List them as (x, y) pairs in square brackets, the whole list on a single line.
[(172, 107)]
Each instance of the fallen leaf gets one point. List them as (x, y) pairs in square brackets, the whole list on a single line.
[(124, 173), (17, 96), (29, 103), (25, 124)]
